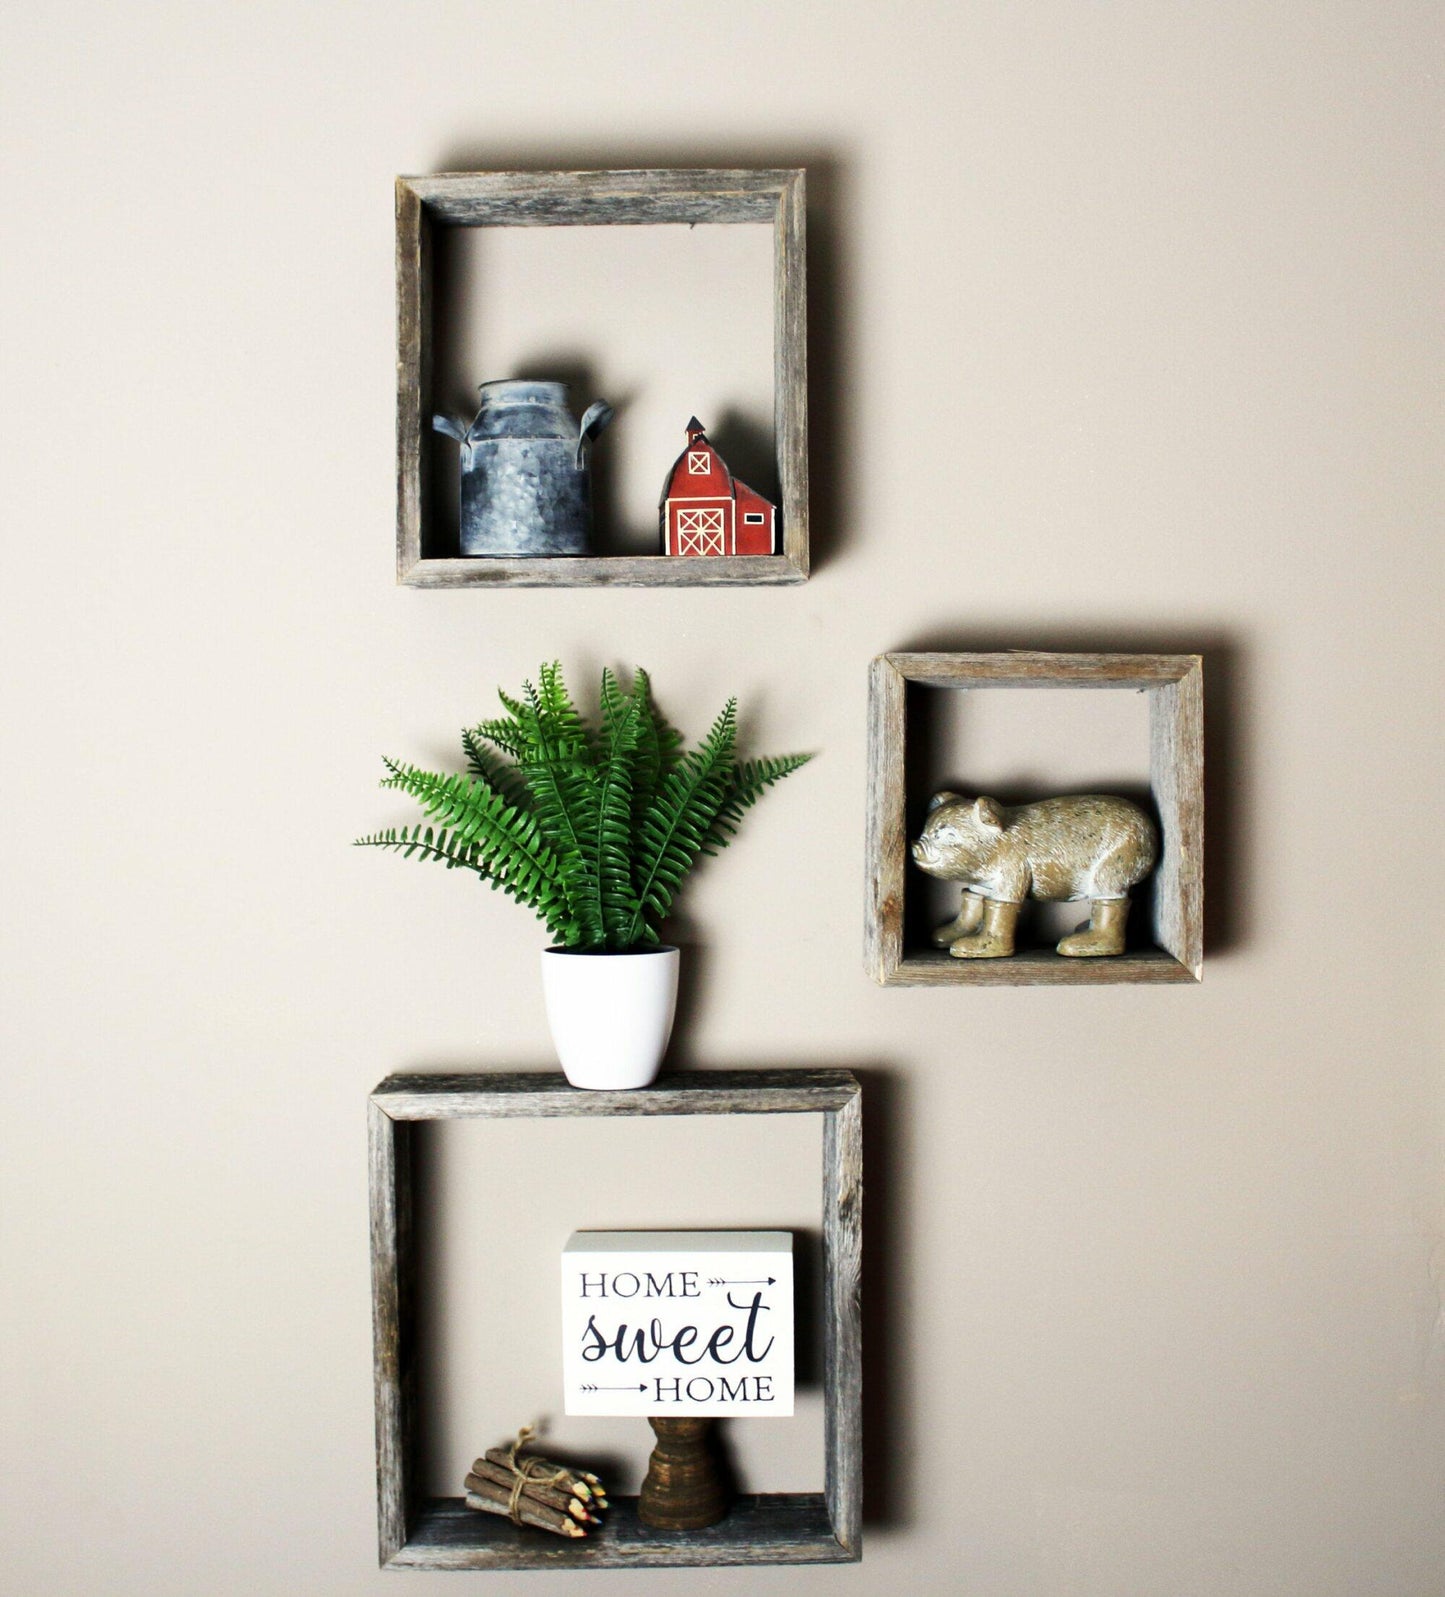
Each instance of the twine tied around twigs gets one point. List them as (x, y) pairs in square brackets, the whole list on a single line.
[(529, 1472)]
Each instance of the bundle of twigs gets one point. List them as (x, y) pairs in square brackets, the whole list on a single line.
[(535, 1491)]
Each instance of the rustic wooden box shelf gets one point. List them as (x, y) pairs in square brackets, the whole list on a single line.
[(776, 1528), (563, 199), (1173, 683)]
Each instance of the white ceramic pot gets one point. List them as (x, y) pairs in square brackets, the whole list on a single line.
[(610, 1014)]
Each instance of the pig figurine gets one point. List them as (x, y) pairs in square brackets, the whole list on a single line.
[(1090, 847)]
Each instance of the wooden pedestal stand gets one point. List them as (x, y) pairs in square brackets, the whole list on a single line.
[(684, 1489)]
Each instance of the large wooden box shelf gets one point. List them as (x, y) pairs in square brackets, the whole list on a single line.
[(1174, 685), (574, 199), (776, 1528)]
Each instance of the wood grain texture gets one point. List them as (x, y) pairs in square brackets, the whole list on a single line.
[(1176, 774), (413, 367), (885, 848), (843, 1325), (790, 367), (1032, 668), (528, 199), (686, 1487), (606, 571), (1037, 967), (1174, 684), (394, 1365), (777, 1528), (786, 1528), (538, 1095), (646, 196)]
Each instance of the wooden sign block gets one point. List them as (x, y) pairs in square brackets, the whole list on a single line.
[(678, 1323)]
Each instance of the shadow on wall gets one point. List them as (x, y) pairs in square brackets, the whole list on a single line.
[(831, 412), (1228, 772)]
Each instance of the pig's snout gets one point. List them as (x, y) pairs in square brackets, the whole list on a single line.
[(923, 851)]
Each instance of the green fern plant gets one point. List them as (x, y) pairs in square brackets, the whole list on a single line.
[(592, 826)]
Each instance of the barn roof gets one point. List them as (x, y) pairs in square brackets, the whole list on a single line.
[(692, 443)]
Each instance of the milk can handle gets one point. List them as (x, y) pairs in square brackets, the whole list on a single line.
[(598, 414)]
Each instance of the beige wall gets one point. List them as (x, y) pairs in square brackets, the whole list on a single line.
[(1128, 334)]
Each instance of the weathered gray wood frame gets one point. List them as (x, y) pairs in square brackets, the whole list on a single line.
[(1174, 683), (778, 1528), (575, 199)]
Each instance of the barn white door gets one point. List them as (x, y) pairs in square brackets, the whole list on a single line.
[(701, 532)]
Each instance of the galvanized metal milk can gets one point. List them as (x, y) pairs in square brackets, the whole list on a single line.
[(526, 488)]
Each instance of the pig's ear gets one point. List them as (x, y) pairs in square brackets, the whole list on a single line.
[(989, 814), (941, 798)]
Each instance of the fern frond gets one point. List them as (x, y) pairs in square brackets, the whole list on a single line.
[(556, 707), (750, 780), (675, 827), (430, 844), (612, 699), (505, 735), (456, 853), (510, 846), (557, 765), (612, 841), (658, 748), (497, 774)]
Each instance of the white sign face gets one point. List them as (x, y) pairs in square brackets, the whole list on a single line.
[(678, 1322)]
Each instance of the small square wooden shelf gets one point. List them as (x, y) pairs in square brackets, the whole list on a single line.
[(1174, 684), (776, 1528), (576, 199)]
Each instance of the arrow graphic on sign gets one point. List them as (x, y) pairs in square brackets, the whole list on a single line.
[(718, 1281), (586, 1388)]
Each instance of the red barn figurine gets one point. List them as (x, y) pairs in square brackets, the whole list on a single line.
[(705, 510)]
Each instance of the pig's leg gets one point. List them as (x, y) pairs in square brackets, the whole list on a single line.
[(995, 940), (1104, 933), (969, 919)]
